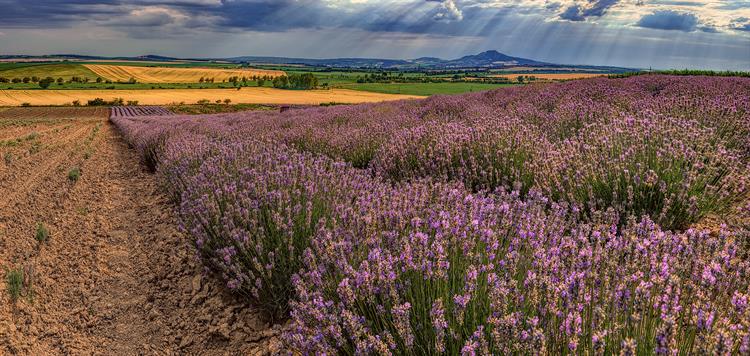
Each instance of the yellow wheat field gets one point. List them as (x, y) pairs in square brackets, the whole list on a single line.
[(174, 75), (252, 95)]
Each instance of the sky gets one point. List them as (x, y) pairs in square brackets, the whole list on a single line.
[(631, 33)]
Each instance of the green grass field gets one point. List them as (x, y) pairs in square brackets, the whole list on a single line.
[(64, 70), (422, 88), (12, 65)]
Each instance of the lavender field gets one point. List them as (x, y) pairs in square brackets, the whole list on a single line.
[(597, 216)]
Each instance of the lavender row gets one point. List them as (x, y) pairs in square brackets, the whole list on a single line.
[(134, 111)]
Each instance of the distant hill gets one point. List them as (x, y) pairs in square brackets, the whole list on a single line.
[(490, 59), (332, 62), (486, 60)]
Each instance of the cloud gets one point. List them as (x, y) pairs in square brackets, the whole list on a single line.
[(669, 20), (708, 29), (572, 13), (741, 24), (735, 5), (598, 8), (147, 17), (594, 8), (448, 11)]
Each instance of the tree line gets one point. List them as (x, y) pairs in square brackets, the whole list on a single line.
[(45, 83), (296, 81)]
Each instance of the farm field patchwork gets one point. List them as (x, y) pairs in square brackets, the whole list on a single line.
[(173, 74), (250, 95), (599, 216)]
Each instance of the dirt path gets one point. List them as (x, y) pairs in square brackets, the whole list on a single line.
[(115, 276)]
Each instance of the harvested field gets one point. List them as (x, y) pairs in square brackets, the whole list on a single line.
[(552, 76), (253, 95), (113, 275), (174, 75)]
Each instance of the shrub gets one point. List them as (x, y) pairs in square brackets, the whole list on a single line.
[(14, 283), (74, 174), (102, 102), (42, 234), (46, 82)]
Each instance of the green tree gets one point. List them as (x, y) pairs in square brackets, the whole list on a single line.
[(46, 82)]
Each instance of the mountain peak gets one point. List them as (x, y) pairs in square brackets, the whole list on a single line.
[(491, 58)]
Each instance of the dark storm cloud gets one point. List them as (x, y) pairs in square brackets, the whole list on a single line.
[(669, 20), (55, 13), (50, 13), (255, 15), (273, 15)]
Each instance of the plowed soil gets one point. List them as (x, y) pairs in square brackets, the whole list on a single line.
[(115, 276)]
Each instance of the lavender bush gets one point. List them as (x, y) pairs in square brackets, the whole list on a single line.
[(482, 157), (253, 209), (496, 275)]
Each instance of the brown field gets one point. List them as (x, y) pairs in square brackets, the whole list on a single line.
[(115, 276), (551, 76), (174, 75), (251, 95), (16, 124)]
